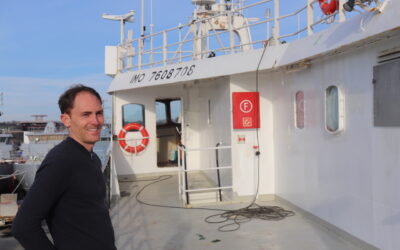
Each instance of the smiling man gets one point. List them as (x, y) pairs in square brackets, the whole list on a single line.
[(69, 189)]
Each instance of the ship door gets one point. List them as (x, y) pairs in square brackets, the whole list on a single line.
[(168, 116)]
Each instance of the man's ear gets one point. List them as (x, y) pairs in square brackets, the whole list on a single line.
[(66, 119)]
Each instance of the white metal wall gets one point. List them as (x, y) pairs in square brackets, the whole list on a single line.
[(198, 130), (245, 165), (145, 161), (352, 179), (214, 126)]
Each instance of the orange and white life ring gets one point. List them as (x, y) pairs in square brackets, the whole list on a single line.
[(327, 7), (143, 143)]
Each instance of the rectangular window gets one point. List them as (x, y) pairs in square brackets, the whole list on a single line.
[(161, 113), (175, 111), (133, 113)]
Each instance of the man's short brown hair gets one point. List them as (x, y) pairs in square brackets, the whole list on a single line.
[(66, 100)]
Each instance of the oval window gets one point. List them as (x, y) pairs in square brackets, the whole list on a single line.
[(333, 110), (299, 109)]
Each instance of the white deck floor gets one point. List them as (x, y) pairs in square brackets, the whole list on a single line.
[(145, 227), (142, 227)]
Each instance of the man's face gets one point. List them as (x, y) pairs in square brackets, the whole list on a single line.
[(85, 119)]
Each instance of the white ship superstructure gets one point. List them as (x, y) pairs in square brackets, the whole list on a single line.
[(312, 121)]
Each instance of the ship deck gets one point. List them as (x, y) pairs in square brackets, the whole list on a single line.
[(139, 226), (142, 227)]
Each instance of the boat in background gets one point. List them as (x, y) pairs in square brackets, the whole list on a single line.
[(5, 146), (37, 144), (8, 156)]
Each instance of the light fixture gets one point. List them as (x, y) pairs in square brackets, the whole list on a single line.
[(349, 5)]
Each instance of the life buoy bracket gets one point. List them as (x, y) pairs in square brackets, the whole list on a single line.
[(130, 127)]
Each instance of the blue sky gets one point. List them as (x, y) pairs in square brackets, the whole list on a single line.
[(47, 45)]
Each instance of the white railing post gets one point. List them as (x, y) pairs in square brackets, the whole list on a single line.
[(195, 39), (165, 56), (268, 16), (342, 15), (140, 54), (151, 44), (180, 45), (184, 180), (129, 49), (231, 34), (310, 17), (179, 170), (276, 30)]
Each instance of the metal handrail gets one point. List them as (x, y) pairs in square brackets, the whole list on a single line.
[(218, 176), (206, 189), (107, 179), (183, 170), (203, 169), (186, 175), (173, 52)]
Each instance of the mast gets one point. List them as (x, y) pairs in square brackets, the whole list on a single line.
[(142, 20)]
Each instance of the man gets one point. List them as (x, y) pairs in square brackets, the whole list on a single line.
[(69, 189)]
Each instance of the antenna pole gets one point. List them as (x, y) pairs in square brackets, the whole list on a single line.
[(122, 35), (151, 31), (142, 17)]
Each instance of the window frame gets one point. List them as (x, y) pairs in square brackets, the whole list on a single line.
[(165, 113), (169, 121), (123, 114), (180, 111)]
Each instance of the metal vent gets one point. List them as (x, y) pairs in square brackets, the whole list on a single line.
[(389, 55)]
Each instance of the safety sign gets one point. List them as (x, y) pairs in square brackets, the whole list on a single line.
[(246, 113)]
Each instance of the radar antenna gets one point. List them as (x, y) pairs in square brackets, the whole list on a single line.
[(129, 17)]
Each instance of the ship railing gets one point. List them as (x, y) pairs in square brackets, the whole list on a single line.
[(110, 177), (110, 171), (107, 178), (178, 44), (132, 142), (184, 170), (13, 176)]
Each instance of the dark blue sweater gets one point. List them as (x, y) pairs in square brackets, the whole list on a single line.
[(69, 193)]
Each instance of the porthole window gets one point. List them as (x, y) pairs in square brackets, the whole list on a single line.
[(299, 109), (132, 113), (334, 114)]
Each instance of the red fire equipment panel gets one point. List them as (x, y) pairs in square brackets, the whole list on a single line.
[(246, 110)]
